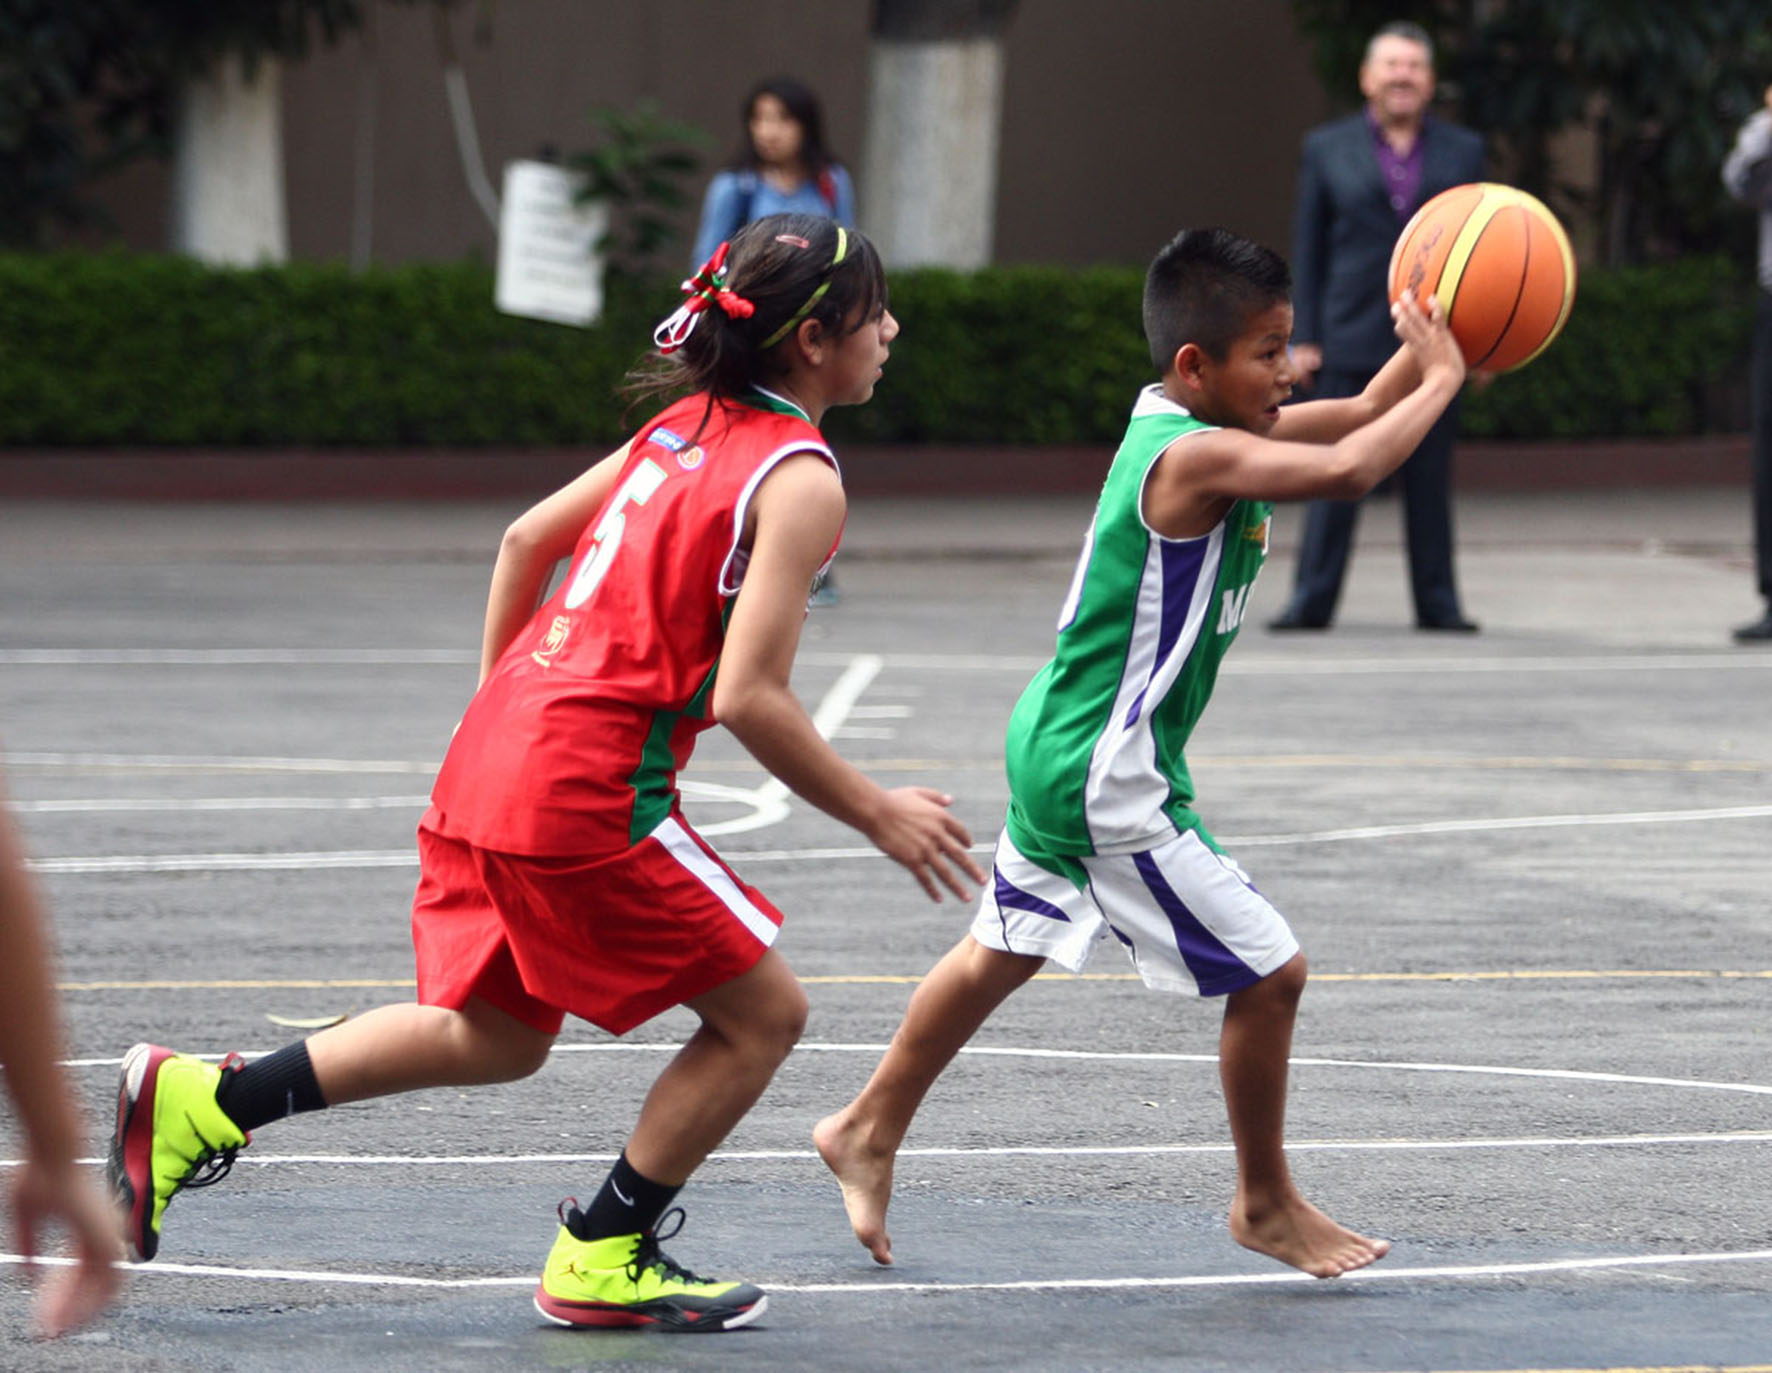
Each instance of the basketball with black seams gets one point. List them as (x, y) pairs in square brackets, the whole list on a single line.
[(1501, 266)]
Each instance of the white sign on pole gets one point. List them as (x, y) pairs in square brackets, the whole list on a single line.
[(547, 264)]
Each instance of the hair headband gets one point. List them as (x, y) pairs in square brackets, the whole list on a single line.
[(817, 295), (707, 286)]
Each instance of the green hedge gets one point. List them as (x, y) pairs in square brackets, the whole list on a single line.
[(121, 349), (1648, 351)]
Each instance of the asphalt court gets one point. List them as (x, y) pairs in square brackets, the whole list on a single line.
[(1530, 869)]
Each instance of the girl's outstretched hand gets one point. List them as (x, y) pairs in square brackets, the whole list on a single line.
[(915, 828)]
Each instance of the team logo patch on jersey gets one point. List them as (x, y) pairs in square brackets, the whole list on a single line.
[(664, 438), (554, 642), (691, 457), (1257, 533)]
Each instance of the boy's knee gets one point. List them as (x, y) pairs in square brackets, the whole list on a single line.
[(1288, 979), (996, 967)]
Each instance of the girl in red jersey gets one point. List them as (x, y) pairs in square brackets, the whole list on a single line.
[(558, 873)]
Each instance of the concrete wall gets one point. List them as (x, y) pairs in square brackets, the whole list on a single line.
[(1124, 120)]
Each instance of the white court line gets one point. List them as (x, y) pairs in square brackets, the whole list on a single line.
[(133, 804), (836, 707), (212, 762), (1520, 822), (237, 657), (1296, 1146), (1247, 666), (395, 858), (1378, 1272), (228, 862), (1277, 666), (763, 811), (1392, 667), (1146, 1056), (768, 802)]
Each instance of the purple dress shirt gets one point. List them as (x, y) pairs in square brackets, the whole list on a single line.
[(1401, 171)]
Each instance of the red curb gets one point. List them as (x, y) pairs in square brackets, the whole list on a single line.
[(452, 474)]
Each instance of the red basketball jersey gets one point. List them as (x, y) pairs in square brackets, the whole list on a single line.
[(573, 743)]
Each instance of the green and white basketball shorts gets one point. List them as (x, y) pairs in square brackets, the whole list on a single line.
[(1187, 915)]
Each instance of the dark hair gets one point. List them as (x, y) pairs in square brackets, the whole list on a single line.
[(778, 263), (802, 107), (1204, 287), (1401, 28)]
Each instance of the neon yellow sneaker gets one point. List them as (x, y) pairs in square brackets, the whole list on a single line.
[(170, 1135), (628, 1281)]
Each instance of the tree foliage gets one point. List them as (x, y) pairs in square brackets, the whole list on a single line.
[(638, 166), (1661, 88), (86, 87)]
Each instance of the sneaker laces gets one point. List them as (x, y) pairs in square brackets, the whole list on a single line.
[(649, 1255), (211, 1164)]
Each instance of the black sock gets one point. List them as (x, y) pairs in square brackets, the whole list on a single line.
[(627, 1203), (267, 1089)]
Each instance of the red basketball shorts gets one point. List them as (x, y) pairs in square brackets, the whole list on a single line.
[(612, 940)]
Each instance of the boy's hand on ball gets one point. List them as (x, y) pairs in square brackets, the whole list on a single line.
[(1422, 328)]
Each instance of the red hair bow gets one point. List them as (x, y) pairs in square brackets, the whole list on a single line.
[(707, 286)]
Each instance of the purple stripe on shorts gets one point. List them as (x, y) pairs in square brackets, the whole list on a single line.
[(1182, 563), (1215, 968), (1013, 897)]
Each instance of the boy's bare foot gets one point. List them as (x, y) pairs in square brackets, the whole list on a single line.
[(865, 1176), (1295, 1232)]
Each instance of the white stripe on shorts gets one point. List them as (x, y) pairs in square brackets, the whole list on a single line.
[(716, 879), (1187, 916)]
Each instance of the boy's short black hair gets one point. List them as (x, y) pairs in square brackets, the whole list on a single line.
[(1203, 288)]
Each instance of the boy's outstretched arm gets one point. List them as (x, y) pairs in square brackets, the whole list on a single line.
[(1325, 421), (50, 1185), (533, 543), (798, 512), (1201, 473)]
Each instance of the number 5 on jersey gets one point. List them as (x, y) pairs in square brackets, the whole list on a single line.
[(639, 488)]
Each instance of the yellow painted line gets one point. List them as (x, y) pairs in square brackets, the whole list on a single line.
[(908, 979)]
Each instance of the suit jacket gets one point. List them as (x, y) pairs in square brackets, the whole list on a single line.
[(1344, 228)]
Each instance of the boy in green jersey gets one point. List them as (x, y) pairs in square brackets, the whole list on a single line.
[(1101, 837)]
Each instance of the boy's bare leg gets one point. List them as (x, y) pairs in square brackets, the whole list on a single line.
[(1268, 1214), (748, 1026), (860, 1141)]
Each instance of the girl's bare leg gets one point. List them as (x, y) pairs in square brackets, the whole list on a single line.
[(748, 1026), (402, 1048)]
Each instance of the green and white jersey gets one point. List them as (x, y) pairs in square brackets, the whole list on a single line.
[(1095, 742)]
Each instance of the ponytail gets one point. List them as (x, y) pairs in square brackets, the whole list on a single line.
[(747, 301)]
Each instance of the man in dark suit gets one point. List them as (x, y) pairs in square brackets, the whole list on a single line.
[(1359, 181)]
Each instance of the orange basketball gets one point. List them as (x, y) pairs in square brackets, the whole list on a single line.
[(1501, 266)]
